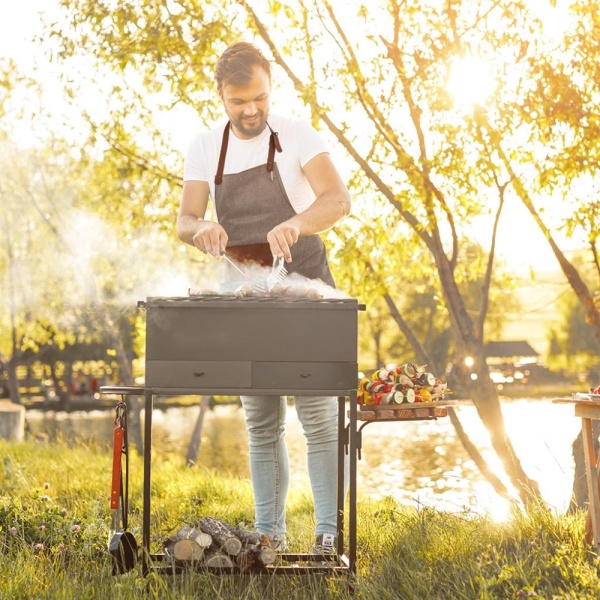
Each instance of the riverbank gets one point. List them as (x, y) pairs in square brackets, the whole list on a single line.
[(545, 390), (107, 402), (55, 522)]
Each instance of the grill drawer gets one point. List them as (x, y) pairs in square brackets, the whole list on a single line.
[(304, 376), (198, 374)]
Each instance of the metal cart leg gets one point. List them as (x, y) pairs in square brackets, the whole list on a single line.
[(148, 406), (353, 445), (341, 471)]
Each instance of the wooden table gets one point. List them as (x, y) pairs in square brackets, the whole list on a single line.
[(416, 411), (587, 406)]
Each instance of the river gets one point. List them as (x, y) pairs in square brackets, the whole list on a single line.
[(419, 463)]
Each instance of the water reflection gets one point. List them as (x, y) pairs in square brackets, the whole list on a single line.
[(416, 462)]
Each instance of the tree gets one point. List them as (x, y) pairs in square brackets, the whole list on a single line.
[(376, 81), (69, 279)]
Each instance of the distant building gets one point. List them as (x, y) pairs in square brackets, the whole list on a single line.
[(513, 361), (515, 352)]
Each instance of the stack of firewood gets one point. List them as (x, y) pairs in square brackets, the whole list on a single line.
[(215, 543)]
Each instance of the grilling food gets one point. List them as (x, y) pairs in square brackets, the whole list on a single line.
[(248, 289), (405, 384)]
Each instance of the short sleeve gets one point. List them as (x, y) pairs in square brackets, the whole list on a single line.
[(310, 142), (194, 167)]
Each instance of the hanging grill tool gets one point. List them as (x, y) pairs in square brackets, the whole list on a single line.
[(123, 547)]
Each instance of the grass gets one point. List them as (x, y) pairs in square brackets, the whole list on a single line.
[(55, 523)]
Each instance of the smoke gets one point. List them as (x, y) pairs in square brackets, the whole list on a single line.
[(227, 280), (89, 261)]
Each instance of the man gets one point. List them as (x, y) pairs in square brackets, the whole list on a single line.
[(274, 188)]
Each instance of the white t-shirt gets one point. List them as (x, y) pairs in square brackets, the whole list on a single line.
[(300, 142)]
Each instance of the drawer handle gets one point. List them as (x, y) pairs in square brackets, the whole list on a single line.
[(198, 373), (305, 375)]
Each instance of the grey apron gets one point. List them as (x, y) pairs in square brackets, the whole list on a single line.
[(250, 203)]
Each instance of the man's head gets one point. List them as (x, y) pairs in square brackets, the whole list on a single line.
[(243, 77)]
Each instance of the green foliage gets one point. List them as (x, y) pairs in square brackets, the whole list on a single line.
[(572, 342), (378, 80), (423, 165)]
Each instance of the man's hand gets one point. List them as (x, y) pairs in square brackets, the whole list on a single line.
[(282, 238), (210, 237)]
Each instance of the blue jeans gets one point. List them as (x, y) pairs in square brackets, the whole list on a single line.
[(269, 466)]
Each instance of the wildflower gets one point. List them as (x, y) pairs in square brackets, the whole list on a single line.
[(63, 512), (76, 528), (45, 498), (46, 486), (42, 527), (39, 546), (61, 547), (13, 530)]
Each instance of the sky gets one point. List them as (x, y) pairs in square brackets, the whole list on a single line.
[(521, 245), (18, 24)]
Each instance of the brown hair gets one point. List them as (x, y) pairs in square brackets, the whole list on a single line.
[(237, 63)]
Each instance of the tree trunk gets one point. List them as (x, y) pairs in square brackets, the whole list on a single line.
[(485, 398), (13, 382), (481, 388), (476, 457), (424, 358)]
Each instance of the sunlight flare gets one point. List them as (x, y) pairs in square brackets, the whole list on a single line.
[(471, 80)]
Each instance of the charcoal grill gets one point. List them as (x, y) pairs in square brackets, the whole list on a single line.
[(227, 345), (265, 345)]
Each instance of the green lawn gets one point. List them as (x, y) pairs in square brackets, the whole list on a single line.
[(55, 522)]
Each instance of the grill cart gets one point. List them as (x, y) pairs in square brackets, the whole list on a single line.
[(227, 345)]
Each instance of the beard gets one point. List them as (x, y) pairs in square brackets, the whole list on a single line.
[(251, 127)]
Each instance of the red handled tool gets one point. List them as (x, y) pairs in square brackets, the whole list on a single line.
[(123, 546), (118, 450)]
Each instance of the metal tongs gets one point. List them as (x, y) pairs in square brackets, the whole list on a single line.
[(277, 274), (258, 284), (241, 271)]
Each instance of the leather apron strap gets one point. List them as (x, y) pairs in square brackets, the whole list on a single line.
[(273, 145)]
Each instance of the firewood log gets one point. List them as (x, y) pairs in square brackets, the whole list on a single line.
[(221, 534), (249, 537), (168, 545), (218, 559), (266, 555), (182, 533), (256, 543), (191, 533), (187, 550), (247, 558)]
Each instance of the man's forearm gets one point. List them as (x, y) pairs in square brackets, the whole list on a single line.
[(187, 227), (323, 214)]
